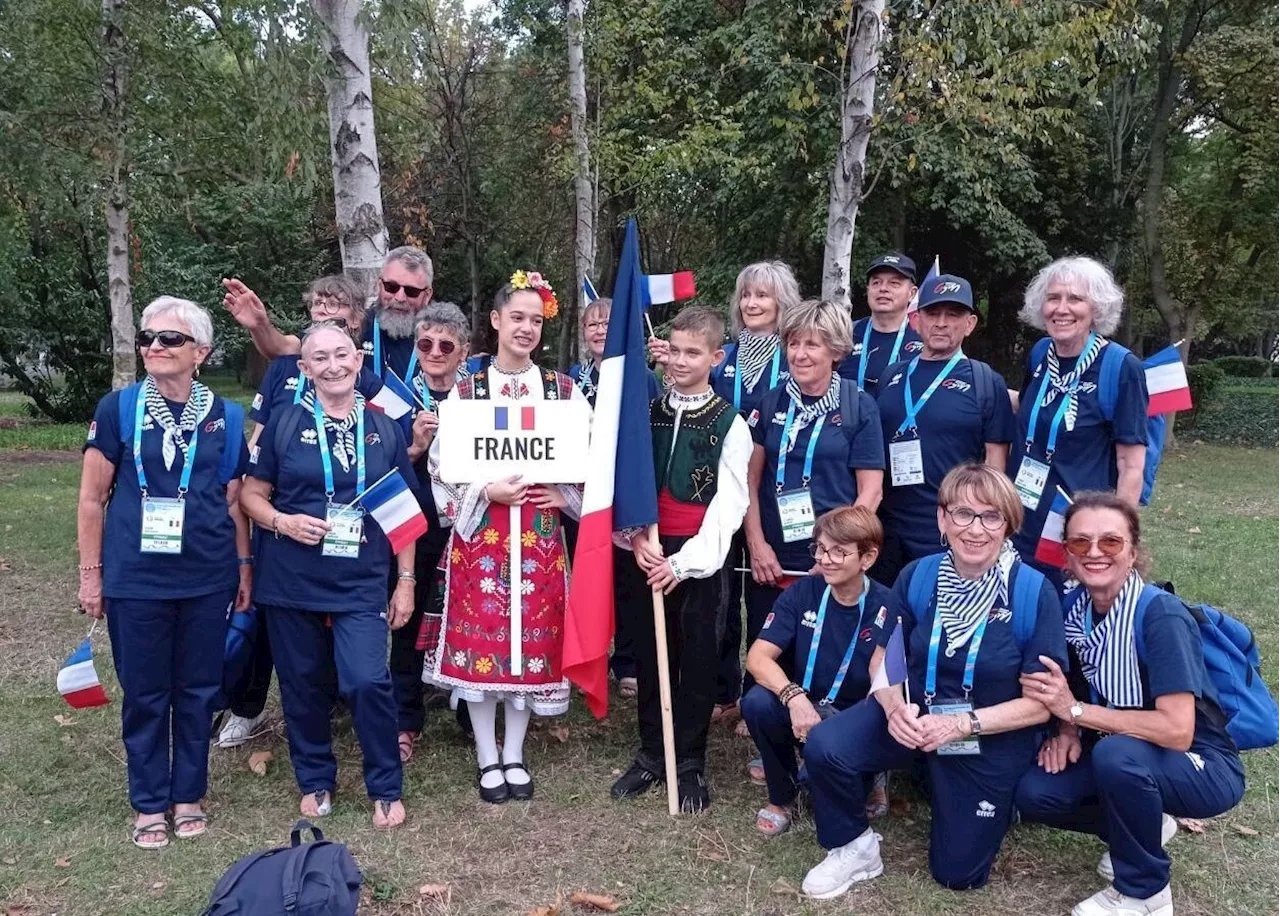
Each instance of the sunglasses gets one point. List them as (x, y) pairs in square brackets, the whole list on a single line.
[(446, 347), (1109, 544), (410, 292), (170, 340)]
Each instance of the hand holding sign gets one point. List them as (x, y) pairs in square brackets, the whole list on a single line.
[(508, 492), (543, 441)]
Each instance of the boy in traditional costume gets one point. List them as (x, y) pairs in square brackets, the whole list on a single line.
[(700, 451), (468, 649)]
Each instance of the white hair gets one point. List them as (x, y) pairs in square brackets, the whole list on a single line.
[(329, 325), (413, 258), (774, 276), (1100, 288), (186, 311)]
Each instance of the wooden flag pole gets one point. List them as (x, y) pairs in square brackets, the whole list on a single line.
[(664, 689), (517, 618)]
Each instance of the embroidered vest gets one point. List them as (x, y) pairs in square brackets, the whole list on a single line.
[(555, 386), (691, 471)]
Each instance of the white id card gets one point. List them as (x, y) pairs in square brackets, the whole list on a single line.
[(960, 746), (795, 508), (1030, 481), (906, 463), (162, 519), (343, 539)]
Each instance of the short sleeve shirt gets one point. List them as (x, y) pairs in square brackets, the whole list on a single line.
[(724, 381), (879, 353)]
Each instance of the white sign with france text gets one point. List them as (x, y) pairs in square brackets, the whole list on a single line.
[(542, 441)]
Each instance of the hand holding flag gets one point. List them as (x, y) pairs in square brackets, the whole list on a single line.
[(78, 679)]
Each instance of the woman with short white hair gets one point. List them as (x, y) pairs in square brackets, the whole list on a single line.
[(1082, 417)]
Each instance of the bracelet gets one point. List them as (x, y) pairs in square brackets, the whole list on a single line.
[(789, 692), (407, 576), (90, 567), (245, 561), (275, 525)]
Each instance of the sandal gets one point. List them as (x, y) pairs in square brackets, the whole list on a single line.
[(324, 803), (755, 771), (627, 687), (722, 710), (406, 741), (384, 808), (878, 798), (142, 831), (771, 823), (198, 819)]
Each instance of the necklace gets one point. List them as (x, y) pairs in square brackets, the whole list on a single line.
[(512, 372)]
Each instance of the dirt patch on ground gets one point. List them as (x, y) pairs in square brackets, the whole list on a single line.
[(22, 457)]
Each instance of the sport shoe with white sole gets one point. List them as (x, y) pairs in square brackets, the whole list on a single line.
[(844, 865), (237, 729), (1168, 830), (1111, 902)]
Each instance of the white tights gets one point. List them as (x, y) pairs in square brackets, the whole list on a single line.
[(484, 721)]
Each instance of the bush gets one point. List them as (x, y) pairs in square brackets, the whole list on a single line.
[(1205, 380), (1241, 415), (1244, 366)]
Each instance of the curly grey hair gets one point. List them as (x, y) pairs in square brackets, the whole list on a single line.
[(775, 276), (414, 259), (446, 316), (1099, 287), (184, 310)]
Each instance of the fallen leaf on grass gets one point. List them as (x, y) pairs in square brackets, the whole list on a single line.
[(64, 721), (602, 902), (20, 909), (5, 565), (438, 891), (258, 761), (1193, 531), (62, 862), (784, 887), (1245, 830), (10, 860), (158, 886), (559, 732), (1191, 824)]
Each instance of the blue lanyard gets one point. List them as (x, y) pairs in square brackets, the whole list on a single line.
[(817, 639), (1052, 445), (188, 456), (781, 478), (377, 352), (737, 374), (914, 407), (300, 388), (327, 461), (866, 344), (931, 671)]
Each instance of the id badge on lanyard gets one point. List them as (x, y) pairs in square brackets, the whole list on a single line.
[(163, 518), (906, 456), (960, 747), (346, 522), (959, 706), (795, 507), (1031, 480), (1033, 475), (906, 463)]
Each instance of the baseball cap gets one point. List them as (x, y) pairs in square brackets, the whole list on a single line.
[(895, 262), (947, 288)]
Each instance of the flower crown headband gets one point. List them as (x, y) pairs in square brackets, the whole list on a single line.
[(534, 281)]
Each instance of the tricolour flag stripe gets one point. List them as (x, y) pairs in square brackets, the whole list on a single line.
[(1167, 386), (1050, 549), (657, 289), (526, 417), (78, 680), (392, 505), (893, 669)]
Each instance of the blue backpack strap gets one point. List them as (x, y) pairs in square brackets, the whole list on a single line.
[(985, 388), (1027, 583), (850, 406), (924, 584), (287, 429), (1038, 352), (1149, 594), (127, 404), (1113, 355), (234, 416)]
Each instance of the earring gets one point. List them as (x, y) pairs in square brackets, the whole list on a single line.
[(942, 539), (195, 373)]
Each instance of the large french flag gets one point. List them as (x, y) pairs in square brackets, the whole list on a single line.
[(621, 453), (78, 679), (1050, 550), (396, 400), (1167, 384), (396, 510)]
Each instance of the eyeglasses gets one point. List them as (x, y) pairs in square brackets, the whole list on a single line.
[(410, 292), (170, 340), (328, 305), (836, 554), (964, 516), (1110, 544), (446, 347), (597, 326)]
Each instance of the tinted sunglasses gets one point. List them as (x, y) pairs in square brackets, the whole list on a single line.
[(170, 340), (410, 292), (1111, 545), (446, 347)]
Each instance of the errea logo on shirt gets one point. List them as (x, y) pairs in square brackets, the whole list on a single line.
[(809, 619), (857, 349), (779, 419), (308, 437), (290, 384), (367, 346), (985, 809), (730, 369)]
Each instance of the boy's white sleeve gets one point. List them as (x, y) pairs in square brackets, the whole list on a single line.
[(705, 552)]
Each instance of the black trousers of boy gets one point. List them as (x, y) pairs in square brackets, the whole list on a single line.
[(695, 626)]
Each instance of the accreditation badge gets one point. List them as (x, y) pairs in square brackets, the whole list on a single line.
[(960, 747), (1032, 476), (162, 520), (795, 509), (345, 532), (906, 463)]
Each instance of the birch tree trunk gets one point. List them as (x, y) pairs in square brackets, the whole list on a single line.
[(357, 180), (124, 358), (584, 253), (858, 74)]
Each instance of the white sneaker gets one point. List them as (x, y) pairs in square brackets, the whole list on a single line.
[(237, 729), (1168, 830), (856, 861), (1111, 902)]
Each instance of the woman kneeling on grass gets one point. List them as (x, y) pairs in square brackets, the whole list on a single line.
[(1166, 747)]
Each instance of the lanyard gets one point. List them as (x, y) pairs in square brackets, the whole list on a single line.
[(737, 374), (377, 352), (866, 345), (914, 407), (1052, 444), (931, 672), (300, 388), (327, 461), (188, 456), (781, 478), (817, 639)]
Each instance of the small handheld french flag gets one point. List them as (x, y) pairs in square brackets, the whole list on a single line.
[(589, 290), (1167, 385), (656, 289), (396, 400), (893, 669), (1050, 549), (392, 505), (78, 679)]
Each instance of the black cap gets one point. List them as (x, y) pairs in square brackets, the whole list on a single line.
[(895, 262), (947, 288)]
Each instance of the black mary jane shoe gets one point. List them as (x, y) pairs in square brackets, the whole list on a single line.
[(518, 791), (499, 793)]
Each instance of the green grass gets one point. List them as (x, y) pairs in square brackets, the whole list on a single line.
[(64, 813)]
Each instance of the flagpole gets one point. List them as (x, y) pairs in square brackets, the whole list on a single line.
[(517, 620), (368, 488), (664, 689), (93, 626), (906, 678), (649, 321)]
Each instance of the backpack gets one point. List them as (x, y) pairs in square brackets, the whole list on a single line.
[(319, 878), (233, 413), (1234, 665), (1025, 600), (1113, 355)]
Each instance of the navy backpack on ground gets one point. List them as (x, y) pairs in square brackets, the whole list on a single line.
[(319, 878)]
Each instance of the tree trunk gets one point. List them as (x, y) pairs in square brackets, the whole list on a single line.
[(357, 182), (862, 56), (124, 358), (584, 252)]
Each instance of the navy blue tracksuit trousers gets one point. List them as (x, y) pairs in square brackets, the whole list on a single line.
[(308, 688), (1118, 791), (171, 684)]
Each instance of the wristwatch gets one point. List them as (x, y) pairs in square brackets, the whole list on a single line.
[(975, 724), (1077, 710)]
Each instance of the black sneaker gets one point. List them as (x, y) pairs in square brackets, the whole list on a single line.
[(638, 780), (691, 786)]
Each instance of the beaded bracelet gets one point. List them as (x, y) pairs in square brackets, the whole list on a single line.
[(90, 567)]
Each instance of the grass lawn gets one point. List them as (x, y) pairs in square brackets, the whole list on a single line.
[(64, 813)]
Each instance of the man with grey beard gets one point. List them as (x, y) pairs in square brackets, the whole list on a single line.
[(402, 295)]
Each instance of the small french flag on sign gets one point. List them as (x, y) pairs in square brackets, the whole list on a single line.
[(502, 419)]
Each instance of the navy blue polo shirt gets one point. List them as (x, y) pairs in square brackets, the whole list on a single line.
[(879, 350), (396, 351), (280, 386), (790, 627), (207, 563), (999, 662), (290, 574), (723, 375), (954, 428), (1086, 455), (839, 453), (575, 373)]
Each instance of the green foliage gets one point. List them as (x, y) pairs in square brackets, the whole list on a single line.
[(1205, 381), (1240, 415), (1245, 366)]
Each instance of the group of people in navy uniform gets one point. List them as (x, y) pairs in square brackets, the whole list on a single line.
[(868, 493)]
